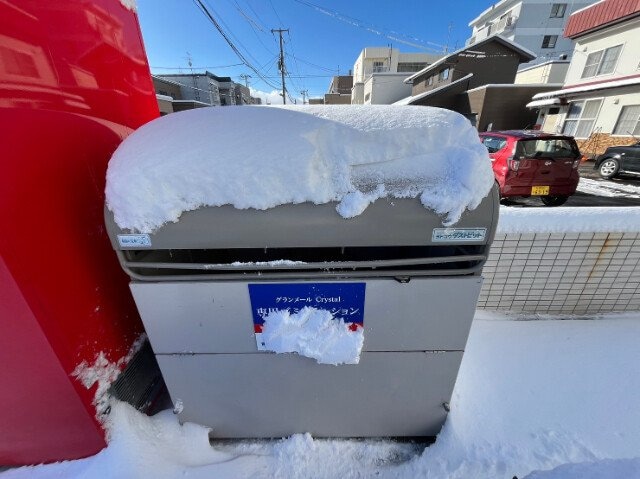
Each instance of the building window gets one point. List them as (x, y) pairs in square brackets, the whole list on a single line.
[(430, 80), (367, 96), (378, 67), (558, 10), (549, 41), (444, 74), (581, 118), (410, 67), (628, 123), (601, 62)]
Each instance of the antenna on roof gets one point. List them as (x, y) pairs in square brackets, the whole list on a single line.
[(449, 28)]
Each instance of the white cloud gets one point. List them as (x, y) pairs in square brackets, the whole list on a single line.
[(271, 98)]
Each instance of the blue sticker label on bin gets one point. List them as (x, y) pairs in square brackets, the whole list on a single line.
[(343, 300)]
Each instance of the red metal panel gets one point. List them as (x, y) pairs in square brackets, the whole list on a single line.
[(74, 81), (600, 15), (31, 375)]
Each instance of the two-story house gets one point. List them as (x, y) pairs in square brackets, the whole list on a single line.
[(600, 101), (379, 73), (477, 81), (537, 25)]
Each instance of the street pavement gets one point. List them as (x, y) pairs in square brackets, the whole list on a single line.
[(593, 190)]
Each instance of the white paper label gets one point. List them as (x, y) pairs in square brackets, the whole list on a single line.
[(442, 235), (134, 241)]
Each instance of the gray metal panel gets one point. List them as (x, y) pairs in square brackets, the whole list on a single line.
[(215, 317), (386, 222), (276, 395)]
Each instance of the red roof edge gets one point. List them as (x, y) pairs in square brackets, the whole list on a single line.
[(600, 15)]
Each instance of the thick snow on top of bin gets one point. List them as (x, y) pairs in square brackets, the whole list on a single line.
[(262, 157)]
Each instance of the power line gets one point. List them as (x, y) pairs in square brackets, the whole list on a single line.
[(274, 11), (296, 66), (199, 68), (253, 24), (331, 70), (242, 58), (390, 34), (230, 33)]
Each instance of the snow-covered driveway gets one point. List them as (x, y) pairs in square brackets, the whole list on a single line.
[(608, 188), (531, 395)]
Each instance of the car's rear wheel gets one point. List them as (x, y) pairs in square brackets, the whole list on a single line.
[(609, 168), (554, 200)]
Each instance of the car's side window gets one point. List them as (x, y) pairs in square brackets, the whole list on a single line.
[(494, 143)]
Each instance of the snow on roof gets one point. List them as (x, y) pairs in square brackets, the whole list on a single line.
[(546, 102), (412, 99), (514, 85), (629, 81), (515, 46), (262, 157), (164, 97)]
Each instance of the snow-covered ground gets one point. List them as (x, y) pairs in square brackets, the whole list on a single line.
[(608, 188), (540, 399)]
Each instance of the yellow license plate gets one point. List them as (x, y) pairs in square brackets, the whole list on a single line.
[(539, 190)]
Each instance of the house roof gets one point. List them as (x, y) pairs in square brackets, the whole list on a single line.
[(600, 15), (525, 54), (629, 80), (412, 99)]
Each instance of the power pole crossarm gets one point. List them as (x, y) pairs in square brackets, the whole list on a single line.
[(245, 77), (281, 65)]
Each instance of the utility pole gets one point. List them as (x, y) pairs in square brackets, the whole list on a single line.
[(281, 66), (245, 77), (304, 94), (196, 90)]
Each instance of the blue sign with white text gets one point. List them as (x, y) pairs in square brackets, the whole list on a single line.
[(343, 300)]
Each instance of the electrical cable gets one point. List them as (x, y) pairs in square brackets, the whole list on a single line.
[(235, 49), (199, 68), (390, 34)]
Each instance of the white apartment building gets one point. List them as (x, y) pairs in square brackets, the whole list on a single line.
[(535, 24), (552, 71), (378, 74), (600, 101)]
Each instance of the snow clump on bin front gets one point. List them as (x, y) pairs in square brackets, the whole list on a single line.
[(262, 157)]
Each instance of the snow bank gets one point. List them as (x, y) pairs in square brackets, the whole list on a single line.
[(605, 469), (261, 157), (569, 220), (530, 396), (314, 333)]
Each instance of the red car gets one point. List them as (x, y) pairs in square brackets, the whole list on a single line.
[(534, 163)]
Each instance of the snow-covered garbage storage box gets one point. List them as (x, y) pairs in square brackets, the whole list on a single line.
[(309, 269)]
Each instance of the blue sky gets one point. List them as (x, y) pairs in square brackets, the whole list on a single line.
[(325, 36)]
